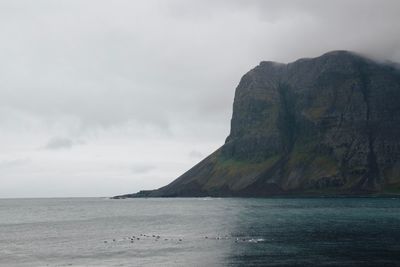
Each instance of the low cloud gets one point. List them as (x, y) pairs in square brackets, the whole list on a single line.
[(57, 143), (11, 163)]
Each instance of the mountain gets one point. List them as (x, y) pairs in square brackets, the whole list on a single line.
[(316, 126)]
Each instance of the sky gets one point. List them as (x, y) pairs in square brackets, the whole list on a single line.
[(99, 98)]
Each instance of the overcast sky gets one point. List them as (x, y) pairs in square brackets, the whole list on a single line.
[(99, 98)]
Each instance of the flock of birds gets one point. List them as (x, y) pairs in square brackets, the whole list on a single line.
[(136, 238)]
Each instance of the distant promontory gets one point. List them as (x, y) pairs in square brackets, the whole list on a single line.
[(328, 125)]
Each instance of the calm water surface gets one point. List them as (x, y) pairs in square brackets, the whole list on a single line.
[(200, 232)]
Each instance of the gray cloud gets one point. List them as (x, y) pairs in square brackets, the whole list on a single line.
[(61, 143), (106, 64), (13, 163), (162, 72)]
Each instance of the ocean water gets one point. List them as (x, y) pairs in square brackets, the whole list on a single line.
[(200, 232)]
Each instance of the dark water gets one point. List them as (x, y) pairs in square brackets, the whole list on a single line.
[(240, 232)]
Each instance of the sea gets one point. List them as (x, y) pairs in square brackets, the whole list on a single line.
[(200, 232)]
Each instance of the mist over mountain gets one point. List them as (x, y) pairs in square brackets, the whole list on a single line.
[(324, 125)]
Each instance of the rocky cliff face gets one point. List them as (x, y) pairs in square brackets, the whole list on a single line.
[(326, 125)]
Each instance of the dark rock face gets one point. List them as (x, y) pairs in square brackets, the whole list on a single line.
[(326, 125)]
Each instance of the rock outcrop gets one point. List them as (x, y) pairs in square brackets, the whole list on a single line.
[(325, 125)]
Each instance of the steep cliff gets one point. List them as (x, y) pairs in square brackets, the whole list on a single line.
[(325, 125)]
